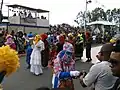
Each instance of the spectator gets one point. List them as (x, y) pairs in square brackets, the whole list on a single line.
[(100, 74), (115, 65)]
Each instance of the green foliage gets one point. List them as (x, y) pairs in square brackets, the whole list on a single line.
[(98, 14)]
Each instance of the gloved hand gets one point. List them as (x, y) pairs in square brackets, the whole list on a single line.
[(74, 73)]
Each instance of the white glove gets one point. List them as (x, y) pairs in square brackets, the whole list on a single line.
[(74, 73)]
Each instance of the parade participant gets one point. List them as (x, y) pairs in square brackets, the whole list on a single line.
[(71, 39), (30, 35), (88, 46), (64, 68), (10, 42), (45, 52), (100, 74), (60, 43), (20, 43), (35, 61), (29, 51), (79, 46), (9, 62)]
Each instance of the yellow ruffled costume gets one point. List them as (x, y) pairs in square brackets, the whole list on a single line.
[(9, 60)]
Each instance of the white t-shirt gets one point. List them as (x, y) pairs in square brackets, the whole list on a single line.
[(101, 76)]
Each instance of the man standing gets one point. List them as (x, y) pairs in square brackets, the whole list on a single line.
[(100, 75)]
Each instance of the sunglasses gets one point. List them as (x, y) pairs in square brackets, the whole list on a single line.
[(114, 61)]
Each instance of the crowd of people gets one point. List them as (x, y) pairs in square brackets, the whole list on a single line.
[(58, 51)]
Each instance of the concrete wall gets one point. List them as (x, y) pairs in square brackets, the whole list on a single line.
[(27, 21), (42, 22), (14, 20)]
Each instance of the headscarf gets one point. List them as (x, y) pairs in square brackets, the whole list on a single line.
[(9, 40), (64, 58), (37, 39), (44, 36), (68, 47)]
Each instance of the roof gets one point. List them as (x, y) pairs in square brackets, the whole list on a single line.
[(28, 8), (101, 23)]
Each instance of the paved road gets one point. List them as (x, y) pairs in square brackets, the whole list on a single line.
[(24, 80)]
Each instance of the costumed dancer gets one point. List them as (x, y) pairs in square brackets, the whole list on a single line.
[(72, 41), (64, 68), (61, 41), (79, 46), (35, 61), (20, 43), (29, 51), (9, 62), (45, 52), (10, 42), (88, 46)]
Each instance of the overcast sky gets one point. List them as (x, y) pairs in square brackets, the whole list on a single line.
[(64, 11)]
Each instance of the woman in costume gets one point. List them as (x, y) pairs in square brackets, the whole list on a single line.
[(64, 68), (35, 61), (60, 43), (79, 46), (29, 50), (45, 52), (10, 42), (9, 62)]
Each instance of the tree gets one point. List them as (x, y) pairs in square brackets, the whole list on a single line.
[(95, 15)]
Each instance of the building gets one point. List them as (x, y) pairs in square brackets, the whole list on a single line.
[(26, 19)]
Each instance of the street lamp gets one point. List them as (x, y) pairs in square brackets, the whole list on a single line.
[(87, 2)]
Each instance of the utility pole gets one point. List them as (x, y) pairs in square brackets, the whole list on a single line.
[(1, 15), (1, 5), (86, 3)]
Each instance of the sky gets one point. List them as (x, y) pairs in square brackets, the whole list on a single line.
[(64, 11)]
